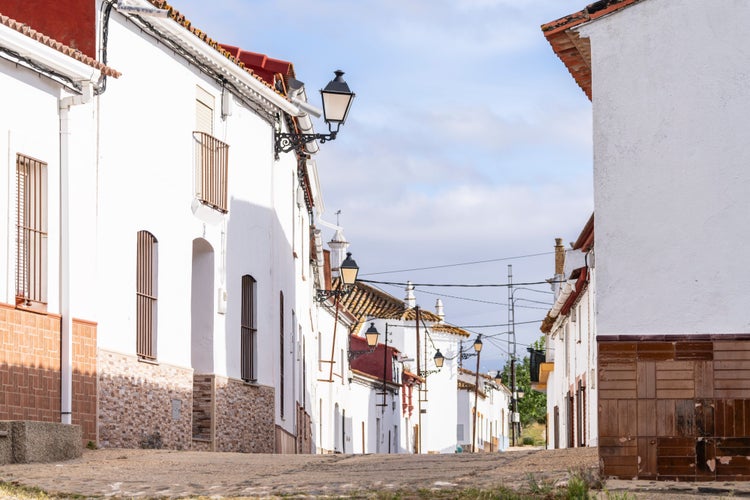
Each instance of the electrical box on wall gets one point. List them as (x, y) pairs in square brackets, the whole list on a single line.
[(221, 305)]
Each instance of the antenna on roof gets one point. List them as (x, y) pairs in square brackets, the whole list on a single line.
[(131, 7)]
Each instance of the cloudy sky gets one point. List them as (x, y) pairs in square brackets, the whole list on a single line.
[(468, 141)]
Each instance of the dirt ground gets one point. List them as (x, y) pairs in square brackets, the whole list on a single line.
[(161, 473)]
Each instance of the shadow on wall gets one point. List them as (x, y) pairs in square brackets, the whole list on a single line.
[(145, 410), (33, 394), (258, 246), (30, 369)]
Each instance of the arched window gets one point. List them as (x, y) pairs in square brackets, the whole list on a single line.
[(146, 295), (248, 329)]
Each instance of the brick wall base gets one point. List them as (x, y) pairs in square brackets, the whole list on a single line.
[(144, 405), (674, 407), (30, 369)]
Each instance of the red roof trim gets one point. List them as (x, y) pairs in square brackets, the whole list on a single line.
[(58, 46), (580, 287), (585, 240), (573, 51), (263, 66)]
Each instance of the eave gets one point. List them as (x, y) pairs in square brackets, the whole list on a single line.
[(574, 51)]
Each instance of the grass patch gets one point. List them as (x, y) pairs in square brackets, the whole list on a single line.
[(533, 435), (9, 489)]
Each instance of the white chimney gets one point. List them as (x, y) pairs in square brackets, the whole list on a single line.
[(410, 299), (439, 310), (338, 246)]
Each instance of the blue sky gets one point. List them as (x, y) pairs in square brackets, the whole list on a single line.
[(468, 140)]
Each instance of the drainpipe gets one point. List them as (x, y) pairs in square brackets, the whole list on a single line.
[(66, 322)]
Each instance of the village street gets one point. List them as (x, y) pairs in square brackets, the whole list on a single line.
[(121, 473)]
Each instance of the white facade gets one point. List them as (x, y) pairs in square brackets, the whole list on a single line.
[(492, 403), (147, 172), (48, 119), (572, 410), (670, 167)]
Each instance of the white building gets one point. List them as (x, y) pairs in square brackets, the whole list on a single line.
[(179, 236), (569, 374), (490, 403), (670, 103), (47, 291), (423, 394)]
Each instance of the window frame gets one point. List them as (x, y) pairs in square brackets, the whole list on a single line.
[(248, 329), (32, 245), (146, 295)]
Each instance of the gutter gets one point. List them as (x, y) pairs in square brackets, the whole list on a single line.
[(206, 54)]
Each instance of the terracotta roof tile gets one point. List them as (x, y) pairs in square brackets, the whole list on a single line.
[(262, 65), (60, 47), (574, 51), (176, 16)]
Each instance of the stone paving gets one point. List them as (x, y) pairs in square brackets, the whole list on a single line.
[(122, 473)]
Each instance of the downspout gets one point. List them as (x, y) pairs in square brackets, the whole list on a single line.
[(66, 322)]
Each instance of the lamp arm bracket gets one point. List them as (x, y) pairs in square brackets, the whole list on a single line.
[(285, 142)]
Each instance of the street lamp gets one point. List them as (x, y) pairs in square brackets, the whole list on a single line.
[(371, 335), (348, 271), (478, 349), (337, 100), (439, 359)]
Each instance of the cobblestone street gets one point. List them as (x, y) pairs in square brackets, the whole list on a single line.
[(159, 473)]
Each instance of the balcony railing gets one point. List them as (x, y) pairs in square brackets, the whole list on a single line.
[(211, 167)]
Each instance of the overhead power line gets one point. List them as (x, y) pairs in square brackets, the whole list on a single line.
[(461, 285), (443, 266)]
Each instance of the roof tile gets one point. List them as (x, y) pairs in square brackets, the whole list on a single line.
[(60, 47)]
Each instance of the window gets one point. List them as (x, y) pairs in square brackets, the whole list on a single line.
[(146, 295), (248, 329), (31, 232), (211, 156)]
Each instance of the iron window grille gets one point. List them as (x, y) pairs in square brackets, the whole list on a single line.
[(248, 329), (146, 295), (31, 232)]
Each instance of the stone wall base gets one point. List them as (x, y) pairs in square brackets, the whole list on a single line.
[(24, 442), (675, 408), (144, 405)]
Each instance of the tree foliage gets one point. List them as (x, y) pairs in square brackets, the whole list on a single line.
[(532, 407)]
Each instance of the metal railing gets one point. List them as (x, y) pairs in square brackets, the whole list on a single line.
[(211, 167)]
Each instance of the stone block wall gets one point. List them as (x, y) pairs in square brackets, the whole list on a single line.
[(27, 441), (144, 405), (244, 416), (30, 369)]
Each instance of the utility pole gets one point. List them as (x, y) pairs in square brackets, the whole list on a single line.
[(512, 338), (419, 392), (476, 396)]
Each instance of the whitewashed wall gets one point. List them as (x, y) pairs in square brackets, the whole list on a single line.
[(30, 125), (670, 104), (145, 172), (572, 346)]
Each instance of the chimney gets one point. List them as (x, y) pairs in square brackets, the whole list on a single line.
[(327, 270), (338, 247), (439, 310), (410, 299), (559, 257)]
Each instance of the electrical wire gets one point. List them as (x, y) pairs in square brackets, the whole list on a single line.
[(461, 285), (461, 264), (468, 299)]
